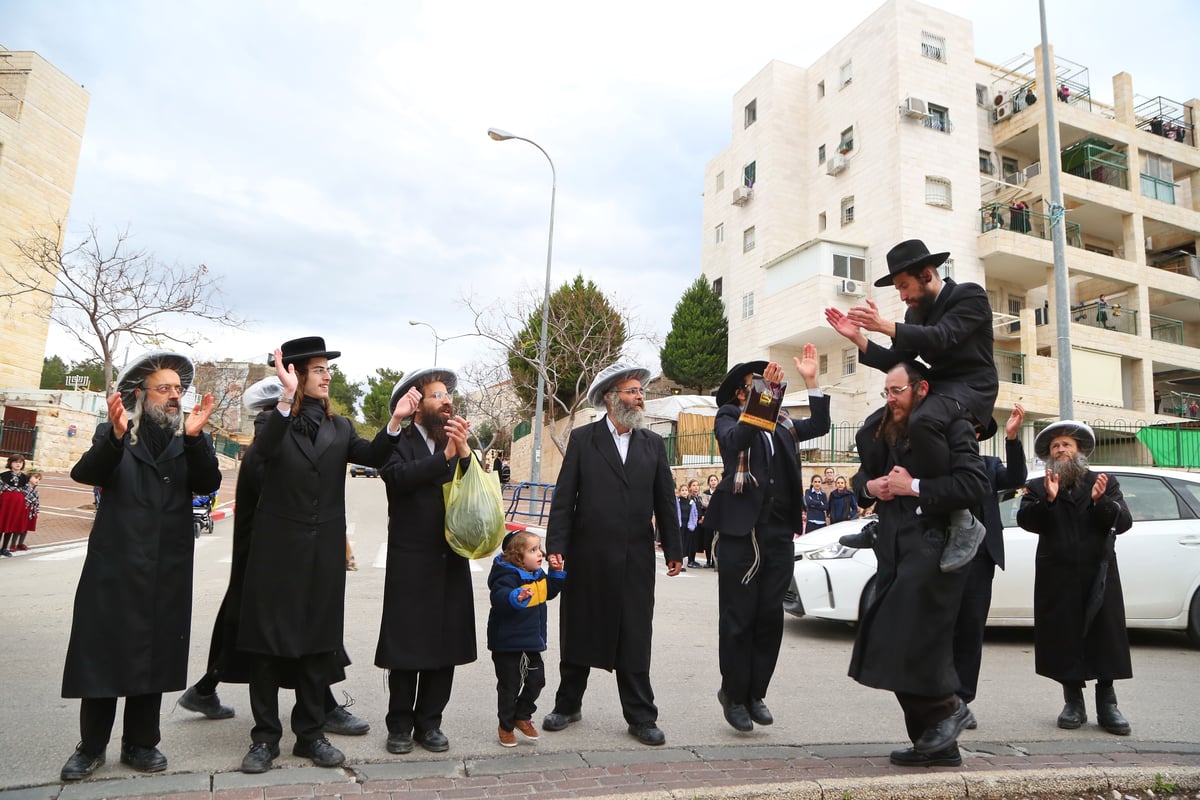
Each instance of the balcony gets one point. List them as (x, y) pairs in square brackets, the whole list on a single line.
[(1165, 329), (1095, 160), (994, 216), (1167, 118), (1158, 189), (1109, 317), (1010, 366)]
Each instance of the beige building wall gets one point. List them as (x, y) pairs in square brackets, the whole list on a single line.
[(929, 157), (42, 115)]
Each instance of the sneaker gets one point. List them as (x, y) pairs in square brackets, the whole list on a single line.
[(507, 738), (6, 553), (321, 752), (693, 565), (964, 534), (80, 765), (527, 730), (260, 758), (207, 704)]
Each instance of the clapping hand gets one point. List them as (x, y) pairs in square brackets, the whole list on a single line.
[(199, 416)]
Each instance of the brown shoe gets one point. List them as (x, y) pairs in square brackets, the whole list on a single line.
[(527, 730), (507, 738), (351, 565)]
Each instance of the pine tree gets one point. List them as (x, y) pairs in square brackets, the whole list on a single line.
[(695, 350)]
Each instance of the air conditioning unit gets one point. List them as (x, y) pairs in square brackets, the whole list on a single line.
[(1001, 99), (1001, 112), (835, 164), (1033, 170), (742, 195), (914, 108), (851, 288)]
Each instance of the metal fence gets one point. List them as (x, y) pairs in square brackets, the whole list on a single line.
[(17, 440)]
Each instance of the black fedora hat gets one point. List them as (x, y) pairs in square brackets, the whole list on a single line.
[(727, 393), (909, 254), (303, 348), (988, 430)]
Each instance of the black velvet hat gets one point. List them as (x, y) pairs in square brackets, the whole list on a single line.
[(907, 255), (302, 349), (727, 393)]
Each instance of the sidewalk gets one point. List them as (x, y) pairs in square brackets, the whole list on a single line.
[(829, 772)]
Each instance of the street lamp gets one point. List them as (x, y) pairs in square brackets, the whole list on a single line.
[(438, 339), (535, 472)]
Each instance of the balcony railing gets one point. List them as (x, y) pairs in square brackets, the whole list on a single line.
[(1096, 161), (1158, 189), (1010, 366), (1111, 317), (1182, 264), (936, 123), (997, 217), (1165, 329)]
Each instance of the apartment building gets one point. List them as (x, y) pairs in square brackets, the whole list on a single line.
[(900, 131)]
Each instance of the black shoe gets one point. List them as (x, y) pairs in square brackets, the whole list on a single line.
[(1107, 713), (964, 534), (434, 741), (972, 724), (944, 734), (260, 758), (343, 723), (909, 757), (6, 553), (143, 759), (207, 704), (735, 713), (759, 712), (322, 753), (1074, 713), (80, 765), (648, 733), (863, 540), (556, 721), (399, 743)]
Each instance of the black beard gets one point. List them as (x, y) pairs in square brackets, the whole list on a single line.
[(1070, 472), (921, 310), (435, 426)]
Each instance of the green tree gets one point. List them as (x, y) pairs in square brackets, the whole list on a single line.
[(697, 346), (93, 368), (346, 393), (376, 401), (54, 373)]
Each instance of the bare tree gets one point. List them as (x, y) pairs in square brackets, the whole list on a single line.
[(587, 333), (102, 292), (493, 406)]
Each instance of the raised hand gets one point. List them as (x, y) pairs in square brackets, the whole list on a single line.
[(406, 406), (199, 416), (287, 375), (117, 415), (1099, 486), (773, 373), (842, 323), (1052, 485), (868, 317), (807, 366), (1014, 421)]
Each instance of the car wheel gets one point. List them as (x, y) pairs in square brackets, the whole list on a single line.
[(868, 597), (1193, 629)]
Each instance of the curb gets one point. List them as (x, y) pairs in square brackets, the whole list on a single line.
[(222, 512)]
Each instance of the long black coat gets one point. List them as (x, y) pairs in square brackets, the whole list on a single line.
[(133, 605), (735, 514), (1071, 535), (602, 523), (956, 341), (428, 606), (1002, 475), (294, 593), (905, 637)]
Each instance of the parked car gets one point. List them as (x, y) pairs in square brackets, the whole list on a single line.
[(366, 472), (1159, 559)]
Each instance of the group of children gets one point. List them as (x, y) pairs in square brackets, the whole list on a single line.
[(18, 505), (828, 501), (692, 504)]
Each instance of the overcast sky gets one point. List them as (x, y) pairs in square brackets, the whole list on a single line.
[(330, 159)]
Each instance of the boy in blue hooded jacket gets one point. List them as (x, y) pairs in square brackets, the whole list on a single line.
[(516, 630)]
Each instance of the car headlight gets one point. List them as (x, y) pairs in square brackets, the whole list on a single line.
[(835, 550)]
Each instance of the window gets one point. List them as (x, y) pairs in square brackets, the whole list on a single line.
[(821, 224), (748, 305), (748, 175), (1149, 498), (719, 233), (748, 239), (937, 192), (720, 180), (820, 89), (821, 154), (847, 210), (939, 118), (933, 46), (1009, 168), (981, 95), (718, 284), (986, 167), (847, 141), (849, 360), (946, 270), (853, 267), (751, 113), (846, 73), (823, 364), (1015, 304)]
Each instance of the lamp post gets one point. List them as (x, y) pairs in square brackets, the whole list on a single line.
[(535, 472), (436, 338)]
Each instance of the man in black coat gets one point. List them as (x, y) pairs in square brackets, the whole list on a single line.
[(977, 595), (133, 607), (754, 513), (947, 325), (905, 637), (1078, 608), (428, 625), (614, 484)]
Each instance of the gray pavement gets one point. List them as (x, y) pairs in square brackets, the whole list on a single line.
[(831, 739)]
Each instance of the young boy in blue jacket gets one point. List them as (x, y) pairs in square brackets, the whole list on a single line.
[(516, 630)]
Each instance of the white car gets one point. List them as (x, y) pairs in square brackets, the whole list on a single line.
[(1159, 559)]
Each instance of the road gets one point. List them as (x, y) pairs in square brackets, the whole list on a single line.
[(812, 699)]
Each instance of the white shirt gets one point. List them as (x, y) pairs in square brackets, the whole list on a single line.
[(425, 436), (621, 439)]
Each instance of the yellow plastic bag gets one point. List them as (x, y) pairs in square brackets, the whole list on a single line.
[(474, 512)]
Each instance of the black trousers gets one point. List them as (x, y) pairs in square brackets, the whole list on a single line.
[(970, 624), (417, 698), (750, 622), (637, 698), (520, 678), (97, 715), (208, 685), (308, 715), (922, 713)]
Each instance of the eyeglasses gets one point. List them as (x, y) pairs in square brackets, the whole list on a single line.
[(895, 391), (632, 391), (165, 389), (320, 370), (438, 395)]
